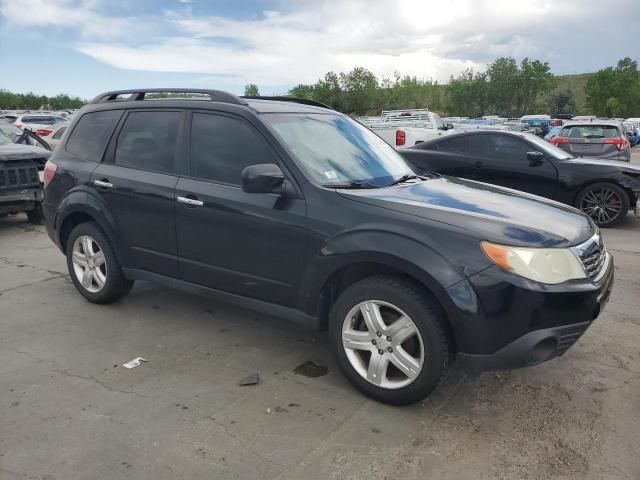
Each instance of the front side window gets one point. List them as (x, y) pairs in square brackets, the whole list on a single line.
[(334, 150), (222, 146), (148, 141), (91, 134)]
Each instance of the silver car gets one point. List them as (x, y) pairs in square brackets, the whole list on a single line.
[(606, 139)]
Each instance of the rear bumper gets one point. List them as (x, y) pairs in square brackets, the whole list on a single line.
[(517, 323)]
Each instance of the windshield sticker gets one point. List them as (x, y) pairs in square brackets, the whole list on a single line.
[(331, 174)]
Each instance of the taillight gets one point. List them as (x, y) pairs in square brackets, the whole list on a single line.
[(560, 141), (401, 137), (49, 172), (43, 132), (620, 143), (18, 124)]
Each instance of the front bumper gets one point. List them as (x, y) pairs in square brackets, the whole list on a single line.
[(518, 323), (20, 200)]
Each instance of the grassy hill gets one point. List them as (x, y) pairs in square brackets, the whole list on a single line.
[(576, 84)]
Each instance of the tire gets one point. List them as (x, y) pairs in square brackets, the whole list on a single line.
[(35, 216), (606, 203), (107, 283), (395, 298)]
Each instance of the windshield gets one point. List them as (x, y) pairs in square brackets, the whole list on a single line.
[(548, 148), (336, 151), (4, 139), (590, 131)]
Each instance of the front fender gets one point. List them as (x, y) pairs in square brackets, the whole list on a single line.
[(86, 201), (392, 249)]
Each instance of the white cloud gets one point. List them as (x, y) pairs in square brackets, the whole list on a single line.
[(307, 38)]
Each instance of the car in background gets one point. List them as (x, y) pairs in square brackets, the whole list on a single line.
[(53, 134), (603, 189), (8, 117), (633, 133), (552, 133), (10, 130), (38, 121), (21, 179), (603, 139), (404, 128)]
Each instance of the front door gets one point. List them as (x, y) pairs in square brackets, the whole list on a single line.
[(249, 244)]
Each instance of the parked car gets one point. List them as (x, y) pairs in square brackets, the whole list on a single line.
[(37, 121), (404, 128), (539, 124), (299, 211), (553, 132), (53, 134), (20, 181), (605, 139), (10, 130), (603, 189)]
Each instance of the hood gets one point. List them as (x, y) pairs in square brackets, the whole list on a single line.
[(498, 214), (13, 151), (626, 166)]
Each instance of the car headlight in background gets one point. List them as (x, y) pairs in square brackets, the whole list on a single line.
[(545, 265)]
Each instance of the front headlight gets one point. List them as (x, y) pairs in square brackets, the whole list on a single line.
[(545, 265)]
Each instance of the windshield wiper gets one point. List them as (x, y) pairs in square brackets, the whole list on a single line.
[(403, 178), (352, 185)]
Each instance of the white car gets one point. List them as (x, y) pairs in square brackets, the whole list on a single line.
[(406, 128), (38, 121), (53, 134)]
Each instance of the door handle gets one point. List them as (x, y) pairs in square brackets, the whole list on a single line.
[(194, 202), (102, 184)]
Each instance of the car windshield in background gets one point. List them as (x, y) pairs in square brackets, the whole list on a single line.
[(590, 131), (548, 148), (336, 151), (4, 139), (42, 120)]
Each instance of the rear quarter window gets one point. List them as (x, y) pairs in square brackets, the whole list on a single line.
[(91, 134)]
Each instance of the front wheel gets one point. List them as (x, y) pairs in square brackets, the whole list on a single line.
[(93, 266), (606, 203), (389, 339)]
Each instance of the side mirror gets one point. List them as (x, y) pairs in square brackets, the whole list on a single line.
[(263, 178), (535, 158)]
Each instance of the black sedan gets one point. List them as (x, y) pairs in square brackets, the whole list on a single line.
[(604, 189)]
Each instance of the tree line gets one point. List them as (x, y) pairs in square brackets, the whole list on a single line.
[(31, 101), (505, 88)]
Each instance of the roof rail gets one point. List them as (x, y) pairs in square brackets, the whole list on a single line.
[(139, 94), (303, 101)]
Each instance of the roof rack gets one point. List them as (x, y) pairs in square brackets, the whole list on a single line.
[(139, 94), (303, 101)]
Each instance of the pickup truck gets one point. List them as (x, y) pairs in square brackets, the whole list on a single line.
[(406, 128)]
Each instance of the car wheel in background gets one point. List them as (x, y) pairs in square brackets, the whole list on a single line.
[(389, 339), (606, 203), (93, 266)]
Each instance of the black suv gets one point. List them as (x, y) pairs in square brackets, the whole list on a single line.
[(291, 208)]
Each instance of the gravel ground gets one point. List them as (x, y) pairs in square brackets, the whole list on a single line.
[(68, 410)]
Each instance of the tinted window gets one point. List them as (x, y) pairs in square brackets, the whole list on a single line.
[(148, 141), (91, 134), (590, 131), (221, 147), (455, 145), (507, 148), (59, 133)]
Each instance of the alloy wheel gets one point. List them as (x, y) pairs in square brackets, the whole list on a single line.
[(602, 204), (89, 265), (383, 344)]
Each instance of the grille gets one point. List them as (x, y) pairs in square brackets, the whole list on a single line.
[(18, 174), (593, 255)]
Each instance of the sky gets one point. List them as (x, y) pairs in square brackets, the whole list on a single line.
[(84, 47)]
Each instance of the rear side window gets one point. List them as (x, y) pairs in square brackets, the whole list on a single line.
[(455, 145), (221, 147), (148, 141), (590, 131), (91, 134)]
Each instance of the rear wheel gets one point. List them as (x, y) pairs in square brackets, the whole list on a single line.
[(388, 338), (93, 266), (606, 203)]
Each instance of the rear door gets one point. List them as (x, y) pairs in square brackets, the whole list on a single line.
[(505, 163), (137, 182), (254, 245)]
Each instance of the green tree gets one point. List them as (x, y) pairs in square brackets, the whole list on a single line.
[(615, 91), (562, 102), (251, 90)]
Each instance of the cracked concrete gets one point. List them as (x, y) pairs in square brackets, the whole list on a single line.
[(68, 410)]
